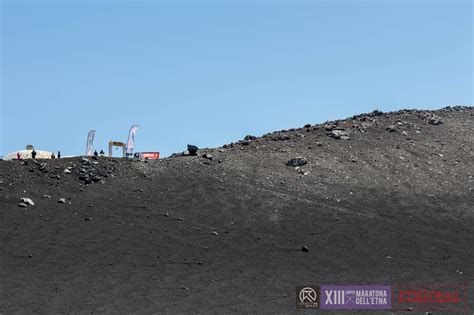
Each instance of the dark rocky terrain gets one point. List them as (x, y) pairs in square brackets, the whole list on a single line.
[(380, 198)]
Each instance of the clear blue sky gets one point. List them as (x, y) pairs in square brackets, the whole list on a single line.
[(211, 72)]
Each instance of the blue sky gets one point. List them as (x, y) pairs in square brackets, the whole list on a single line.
[(211, 72)]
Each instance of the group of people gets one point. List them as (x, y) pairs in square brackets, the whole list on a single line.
[(53, 156), (102, 153)]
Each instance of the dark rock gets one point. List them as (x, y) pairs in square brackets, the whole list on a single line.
[(328, 127), (192, 149), (27, 201), (207, 156), (307, 126), (376, 113), (298, 161), (250, 138), (305, 249), (96, 178)]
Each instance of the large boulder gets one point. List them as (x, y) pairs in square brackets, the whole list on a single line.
[(192, 149)]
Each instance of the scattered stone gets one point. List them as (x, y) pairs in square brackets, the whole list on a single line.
[(339, 134), (302, 171), (43, 167), (87, 219), (298, 161), (281, 137), (27, 201), (431, 118), (250, 138), (404, 133), (328, 127), (67, 171), (207, 156), (62, 200), (435, 120), (166, 214), (46, 197), (22, 205), (96, 178), (214, 233), (85, 161), (305, 249), (376, 113), (307, 126), (391, 128)]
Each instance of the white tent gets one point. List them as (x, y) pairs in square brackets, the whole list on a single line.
[(26, 154)]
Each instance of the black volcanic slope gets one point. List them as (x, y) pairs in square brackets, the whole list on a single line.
[(394, 203)]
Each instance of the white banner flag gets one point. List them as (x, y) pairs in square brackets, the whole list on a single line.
[(131, 139), (90, 143)]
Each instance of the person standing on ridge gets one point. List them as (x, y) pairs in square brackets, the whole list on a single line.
[(18, 156), (59, 154), (33, 154), (95, 153), (102, 153)]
